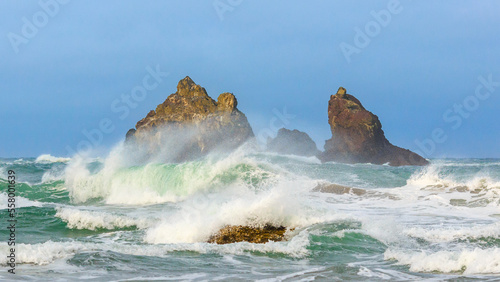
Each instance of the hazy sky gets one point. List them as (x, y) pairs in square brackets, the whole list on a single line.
[(429, 69)]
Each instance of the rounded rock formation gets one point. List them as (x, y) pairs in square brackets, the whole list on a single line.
[(292, 142)]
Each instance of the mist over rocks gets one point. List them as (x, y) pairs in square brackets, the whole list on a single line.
[(292, 142), (357, 136), (190, 124)]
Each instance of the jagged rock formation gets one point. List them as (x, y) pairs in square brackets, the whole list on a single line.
[(292, 143), (358, 136), (190, 124), (234, 234)]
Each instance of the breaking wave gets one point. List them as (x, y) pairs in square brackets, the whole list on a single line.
[(46, 158), (156, 183), (473, 261), (92, 220)]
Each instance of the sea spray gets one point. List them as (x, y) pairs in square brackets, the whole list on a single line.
[(155, 183), (439, 222), (236, 206)]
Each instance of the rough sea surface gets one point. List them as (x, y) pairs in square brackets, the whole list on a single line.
[(111, 220)]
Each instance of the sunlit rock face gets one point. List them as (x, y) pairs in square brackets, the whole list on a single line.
[(190, 124), (357, 136)]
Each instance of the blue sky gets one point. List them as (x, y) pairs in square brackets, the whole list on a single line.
[(418, 71)]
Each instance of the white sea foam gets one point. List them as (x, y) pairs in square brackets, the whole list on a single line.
[(204, 214), (46, 158), (92, 220), (433, 176), (473, 261), (447, 234), (206, 197), (51, 176), (363, 271), (54, 174), (153, 183), (295, 247), (432, 183), (42, 254), (21, 202), (208, 194), (49, 252)]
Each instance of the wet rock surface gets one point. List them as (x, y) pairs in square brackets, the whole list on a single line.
[(239, 233), (338, 189)]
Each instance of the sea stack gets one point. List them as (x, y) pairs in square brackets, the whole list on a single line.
[(292, 142), (190, 124), (357, 136)]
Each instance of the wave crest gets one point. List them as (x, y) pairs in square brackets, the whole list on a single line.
[(47, 158), (458, 186), (156, 183), (475, 261), (91, 220)]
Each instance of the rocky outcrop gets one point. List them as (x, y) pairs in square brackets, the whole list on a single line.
[(234, 234), (357, 136), (338, 189), (292, 142), (190, 124)]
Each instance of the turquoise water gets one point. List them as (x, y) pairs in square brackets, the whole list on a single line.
[(109, 220)]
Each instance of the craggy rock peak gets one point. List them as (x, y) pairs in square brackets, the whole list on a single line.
[(234, 234), (358, 136), (190, 124), (292, 143)]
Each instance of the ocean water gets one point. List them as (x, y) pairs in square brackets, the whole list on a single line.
[(111, 219)]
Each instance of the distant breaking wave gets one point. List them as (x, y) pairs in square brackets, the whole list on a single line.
[(46, 158)]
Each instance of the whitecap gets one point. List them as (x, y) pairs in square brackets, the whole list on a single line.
[(47, 158), (469, 261), (92, 220)]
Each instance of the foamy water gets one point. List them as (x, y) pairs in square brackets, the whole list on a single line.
[(114, 218)]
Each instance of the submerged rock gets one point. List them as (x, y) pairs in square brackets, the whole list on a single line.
[(293, 142), (190, 124), (357, 136), (239, 233), (338, 189)]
